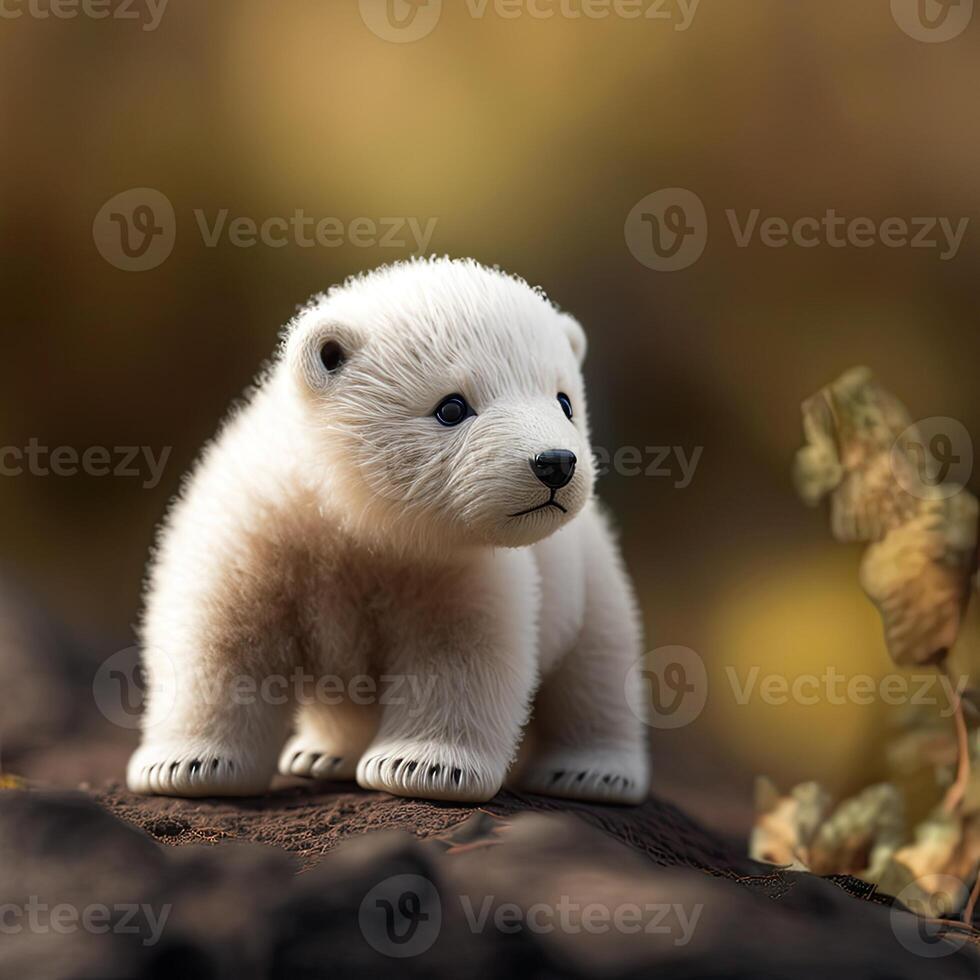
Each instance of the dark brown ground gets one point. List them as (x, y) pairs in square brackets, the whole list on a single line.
[(308, 821), (330, 881)]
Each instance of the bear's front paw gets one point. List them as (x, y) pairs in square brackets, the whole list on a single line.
[(598, 776), (304, 756), (430, 770), (194, 770)]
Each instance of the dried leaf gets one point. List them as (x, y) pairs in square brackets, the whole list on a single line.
[(861, 835), (918, 570), (785, 825), (851, 427), (920, 871), (919, 584)]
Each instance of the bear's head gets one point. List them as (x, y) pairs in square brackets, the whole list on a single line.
[(446, 402)]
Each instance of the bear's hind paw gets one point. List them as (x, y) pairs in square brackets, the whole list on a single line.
[(301, 757), (597, 778)]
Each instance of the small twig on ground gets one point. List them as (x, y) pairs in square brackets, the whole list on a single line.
[(952, 925)]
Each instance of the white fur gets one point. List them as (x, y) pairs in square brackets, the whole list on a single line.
[(335, 526)]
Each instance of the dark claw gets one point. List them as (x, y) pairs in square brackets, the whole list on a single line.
[(412, 766), (173, 767), (195, 766), (336, 760), (558, 774), (433, 771), (214, 765), (457, 775), (580, 777)]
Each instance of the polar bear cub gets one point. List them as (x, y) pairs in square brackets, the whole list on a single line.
[(393, 549)]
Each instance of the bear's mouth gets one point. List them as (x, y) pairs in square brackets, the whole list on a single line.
[(550, 502)]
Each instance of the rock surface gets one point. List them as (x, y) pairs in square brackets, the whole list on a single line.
[(320, 881)]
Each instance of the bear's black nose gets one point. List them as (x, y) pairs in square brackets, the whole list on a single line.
[(554, 468)]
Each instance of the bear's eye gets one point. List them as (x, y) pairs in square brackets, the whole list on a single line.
[(566, 404), (332, 356), (452, 410)]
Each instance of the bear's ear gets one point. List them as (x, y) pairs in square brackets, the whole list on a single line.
[(576, 336), (317, 352)]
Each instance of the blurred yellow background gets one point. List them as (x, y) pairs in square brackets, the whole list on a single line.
[(530, 140)]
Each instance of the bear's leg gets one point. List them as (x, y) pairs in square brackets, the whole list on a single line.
[(329, 740), (217, 664), (587, 742), (463, 654), (207, 733)]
